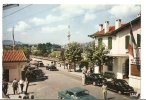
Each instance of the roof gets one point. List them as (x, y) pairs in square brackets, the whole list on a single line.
[(112, 30), (14, 56), (76, 89)]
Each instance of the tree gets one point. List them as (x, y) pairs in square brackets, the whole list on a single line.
[(73, 53), (62, 56), (100, 58)]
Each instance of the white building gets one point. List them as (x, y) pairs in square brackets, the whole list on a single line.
[(116, 38)]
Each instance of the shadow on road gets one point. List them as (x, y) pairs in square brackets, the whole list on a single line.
[(111, 98)]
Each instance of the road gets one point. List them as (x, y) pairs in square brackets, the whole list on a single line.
[(60, 80)]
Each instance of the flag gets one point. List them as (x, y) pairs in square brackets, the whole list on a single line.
[(132, 43)]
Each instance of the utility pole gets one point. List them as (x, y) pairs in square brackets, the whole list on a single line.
[(13, 39), (69, 33)]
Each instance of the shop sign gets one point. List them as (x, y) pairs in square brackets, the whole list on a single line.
[(136, 61)]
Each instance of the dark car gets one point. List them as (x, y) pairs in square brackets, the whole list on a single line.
[(109, 76), (120, 86), (95, 79), (51, 67), (76, 93), (40, 64), (38, 74)]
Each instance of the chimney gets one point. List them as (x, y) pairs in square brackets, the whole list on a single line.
[(106, 26), (117, 23), (100, 27), (138, 15)]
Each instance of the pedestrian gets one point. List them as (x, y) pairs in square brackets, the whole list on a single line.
[(104, 91), (69, 67), (5, 87), (83, 79), (15, 86), (21, 82)]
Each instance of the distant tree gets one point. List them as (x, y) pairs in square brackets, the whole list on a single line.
[(73, 53)]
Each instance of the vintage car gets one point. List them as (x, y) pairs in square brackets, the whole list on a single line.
[(76, 93), (135, 95), (51, 67), (38, 74), (120, 86), (40, 64), (109, 76), (95, 79)]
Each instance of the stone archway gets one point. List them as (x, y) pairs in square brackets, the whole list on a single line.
[(127, 68)]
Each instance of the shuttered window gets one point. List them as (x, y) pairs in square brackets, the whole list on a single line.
[(99, 41), (138, 40), (127, 41), (109, 42)]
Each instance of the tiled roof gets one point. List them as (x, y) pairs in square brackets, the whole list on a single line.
[(111, 29), (14, 55)]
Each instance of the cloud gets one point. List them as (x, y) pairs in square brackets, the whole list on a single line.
[(37, 21), (54, 29), (20, 27), (89, 17), (124, 10)]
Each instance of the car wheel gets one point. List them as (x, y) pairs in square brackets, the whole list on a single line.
[(119, 92), (94, 83)]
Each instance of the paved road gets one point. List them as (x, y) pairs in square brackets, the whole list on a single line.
[(60, 80)]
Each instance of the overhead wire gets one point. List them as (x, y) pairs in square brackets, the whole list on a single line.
[(33, 14), (17, 11)]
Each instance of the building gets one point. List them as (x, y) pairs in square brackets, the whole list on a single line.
[(13, 60), (116, 38)]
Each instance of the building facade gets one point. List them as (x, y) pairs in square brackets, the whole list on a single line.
[(116, 38), (13, 61)]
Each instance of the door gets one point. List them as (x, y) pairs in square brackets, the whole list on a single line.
[(6, 74)]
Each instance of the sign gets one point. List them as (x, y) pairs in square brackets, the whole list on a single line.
[(136, 61)]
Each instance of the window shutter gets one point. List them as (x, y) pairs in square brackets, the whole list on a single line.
[(99, 41), (109, 42), (127, 41), (138, 40)]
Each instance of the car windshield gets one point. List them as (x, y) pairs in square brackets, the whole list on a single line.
[(82, 93)]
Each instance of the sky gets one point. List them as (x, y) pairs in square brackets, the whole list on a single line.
[(42, 23)]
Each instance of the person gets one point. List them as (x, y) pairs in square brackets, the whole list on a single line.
[(84, 70), (69, 67), (21, 82), (5, 87), (15, 86), (104, 91)]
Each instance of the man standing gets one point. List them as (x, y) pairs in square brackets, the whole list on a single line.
[(21, 82), (15, 86), (84, 70), (104, 91), (5, 86)]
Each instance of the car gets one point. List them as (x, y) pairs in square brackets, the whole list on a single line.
[(38, 74), (40, 64), (120, 86), (135, 95), (51, 67), (109, 76), (95, 79), (76, 93)]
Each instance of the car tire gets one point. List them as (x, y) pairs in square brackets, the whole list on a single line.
[(94, 83), (119, 92)]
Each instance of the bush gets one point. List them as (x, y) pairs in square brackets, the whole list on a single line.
[(83, 63)]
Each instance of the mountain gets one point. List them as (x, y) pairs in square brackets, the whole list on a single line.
[(10, 42)]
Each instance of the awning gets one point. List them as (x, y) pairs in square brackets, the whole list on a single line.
[(118, 55)]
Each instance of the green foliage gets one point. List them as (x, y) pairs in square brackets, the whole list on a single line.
[(83, 63), (55, 54), (62, 55), (73, 52)]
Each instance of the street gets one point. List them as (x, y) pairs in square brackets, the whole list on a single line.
[(61, 80)]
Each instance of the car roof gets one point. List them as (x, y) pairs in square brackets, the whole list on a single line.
[(76, 89)]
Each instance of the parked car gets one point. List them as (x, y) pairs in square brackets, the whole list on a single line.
[(38, 74), (76, 93), (120, 86), (109, 76), (135, 95), (40, 64), (95, 79), (51, 67)]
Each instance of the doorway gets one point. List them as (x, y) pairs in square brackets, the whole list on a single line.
[(127, 68), (6, 74)]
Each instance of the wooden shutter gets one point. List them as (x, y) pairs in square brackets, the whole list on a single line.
[(138, 40), (127, 41), (109, 42), (99, 41)]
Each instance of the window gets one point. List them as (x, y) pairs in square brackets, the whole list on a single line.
[(138, 40), (127, 41), (99, 41), (109, 42)]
